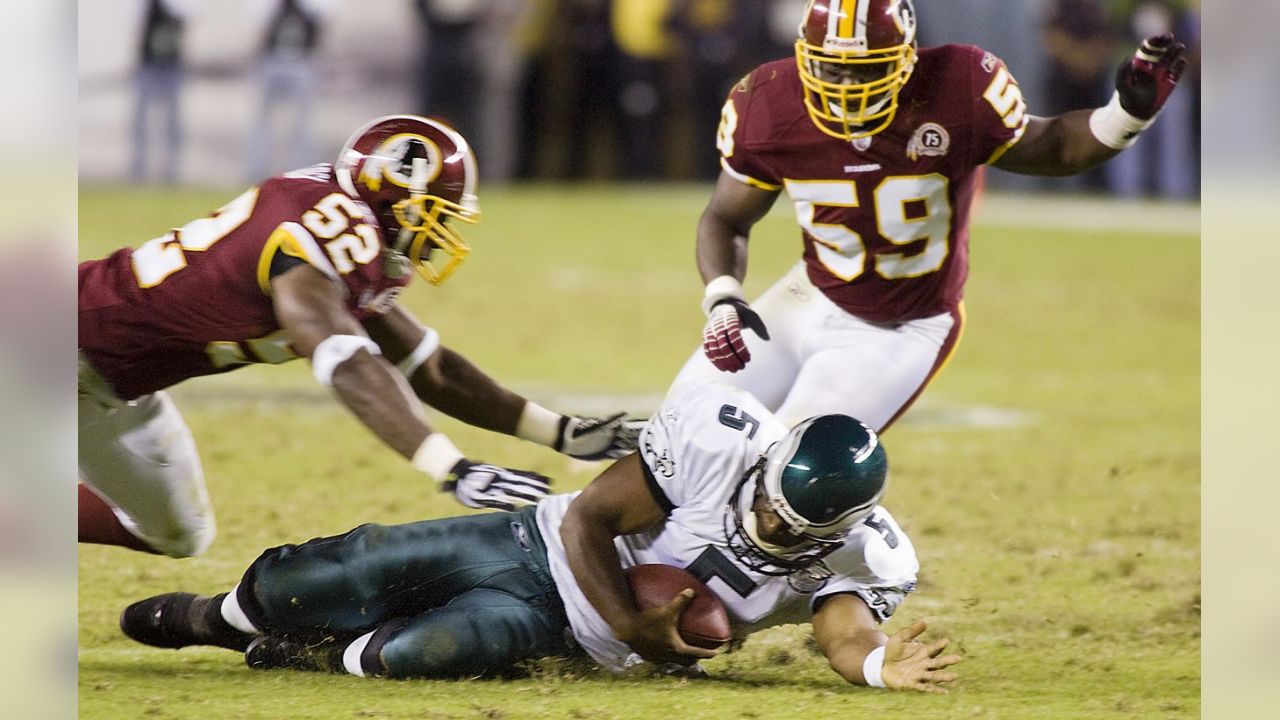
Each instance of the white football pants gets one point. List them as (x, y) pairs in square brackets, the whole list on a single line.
[(140, 456), (821, 360)]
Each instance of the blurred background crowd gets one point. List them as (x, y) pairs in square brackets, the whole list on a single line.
[(203, 92)]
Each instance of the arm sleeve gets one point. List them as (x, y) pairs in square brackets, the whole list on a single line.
[(883, 601), (741, 121), (689, 455), (999, 111), (655, 489), (877, 563)]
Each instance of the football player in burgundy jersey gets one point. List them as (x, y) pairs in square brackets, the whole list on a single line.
[(783, 525), (878, 144), (307, 264)]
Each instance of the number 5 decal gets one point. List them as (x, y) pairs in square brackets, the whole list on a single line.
[(1005, 97), (732, 417)]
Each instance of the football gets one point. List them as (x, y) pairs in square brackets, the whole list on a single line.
[(704, 623)]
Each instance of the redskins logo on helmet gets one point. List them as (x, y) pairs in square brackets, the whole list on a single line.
[(854, 57), (416, 174)]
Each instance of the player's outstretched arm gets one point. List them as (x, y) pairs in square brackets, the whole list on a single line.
[(619, 502), (1078, 140), (849, 637), (452, 384), (723, 230), (310, 307), (913, 665)]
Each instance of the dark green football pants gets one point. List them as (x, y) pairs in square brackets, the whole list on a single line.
[(458, 596)]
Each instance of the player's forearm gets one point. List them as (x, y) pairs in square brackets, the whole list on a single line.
[(377, 395), (453, 385), (589, 550), (1058, 147), (847, 633), (848, 657), (1080, 150), (721, 250)]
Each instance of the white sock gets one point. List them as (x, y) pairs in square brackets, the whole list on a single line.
[(234, 616), (351, 656)]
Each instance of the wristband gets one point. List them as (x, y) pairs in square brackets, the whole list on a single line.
[(538, 424), (1114, 127), (335, 350), (436, 456), (872, 666), (725, 286), (425, 349)]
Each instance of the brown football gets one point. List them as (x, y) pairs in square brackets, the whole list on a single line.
[(704, 623)]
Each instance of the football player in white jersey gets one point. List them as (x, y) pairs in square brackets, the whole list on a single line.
[(783, 525)]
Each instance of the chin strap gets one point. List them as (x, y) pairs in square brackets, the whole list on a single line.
[(749, 526), (748, 513)]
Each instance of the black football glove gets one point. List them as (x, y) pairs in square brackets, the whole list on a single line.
[(480, 485), (1145, 81)]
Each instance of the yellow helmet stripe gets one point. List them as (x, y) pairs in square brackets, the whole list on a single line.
[(840, 20), (852, 19)]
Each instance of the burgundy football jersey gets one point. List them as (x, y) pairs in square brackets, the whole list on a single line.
[(885, 218), (197, 301)]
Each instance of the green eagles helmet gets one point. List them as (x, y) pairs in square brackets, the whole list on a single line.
[(822, 478)]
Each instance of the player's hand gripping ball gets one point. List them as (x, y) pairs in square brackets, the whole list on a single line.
[(704, 623)]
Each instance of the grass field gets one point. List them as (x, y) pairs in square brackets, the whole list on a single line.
[(1049, 478)]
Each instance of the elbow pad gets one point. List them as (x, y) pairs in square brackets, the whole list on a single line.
[(335, 350), (426, 348)]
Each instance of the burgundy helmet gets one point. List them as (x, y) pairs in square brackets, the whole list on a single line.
[(854, 56), (416, 174)]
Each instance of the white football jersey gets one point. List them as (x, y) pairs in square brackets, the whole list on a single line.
[(696, 449)]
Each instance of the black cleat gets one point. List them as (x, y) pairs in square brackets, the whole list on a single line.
[(178, 620), (272, 652)]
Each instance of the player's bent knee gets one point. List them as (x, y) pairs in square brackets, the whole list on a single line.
[(425, 650)]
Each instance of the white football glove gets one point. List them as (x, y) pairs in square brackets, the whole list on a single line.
[(480, 485), (597, 438)]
